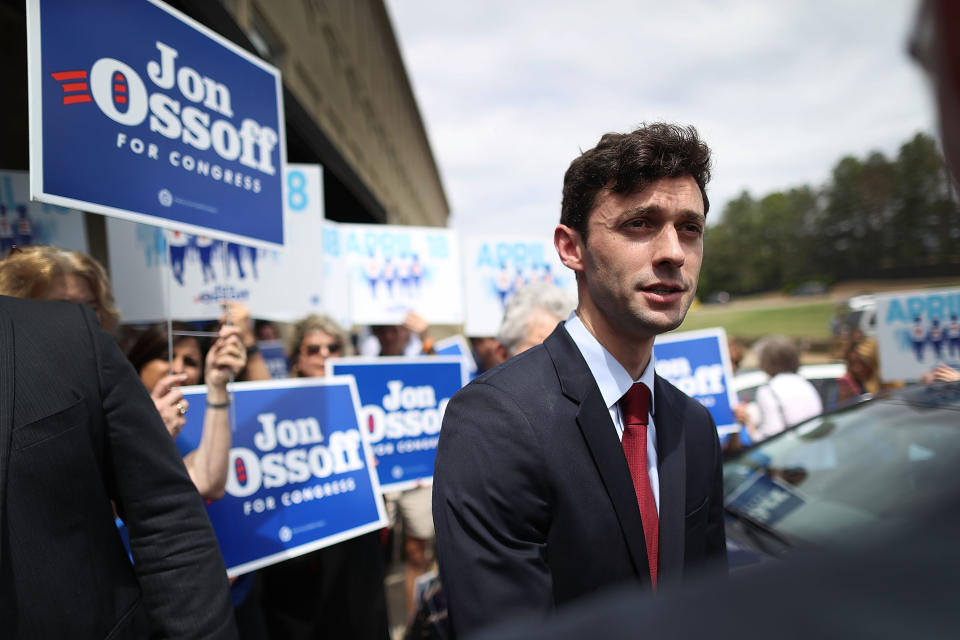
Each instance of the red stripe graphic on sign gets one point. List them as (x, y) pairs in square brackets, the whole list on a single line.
[(60, 76), (77, 91), (121, 99), (120, 88), (241, 470)]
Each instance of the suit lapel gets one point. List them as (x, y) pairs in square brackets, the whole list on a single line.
[(593, 418), (671, 455), (6, 411)]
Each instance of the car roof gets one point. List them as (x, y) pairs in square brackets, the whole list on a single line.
[(756, 377)]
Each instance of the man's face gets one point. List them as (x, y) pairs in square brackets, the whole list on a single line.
[(393, 339), (642, 256), (489, 352)]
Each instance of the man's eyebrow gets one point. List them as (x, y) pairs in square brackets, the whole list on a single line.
[(655, 210), (694, 216)]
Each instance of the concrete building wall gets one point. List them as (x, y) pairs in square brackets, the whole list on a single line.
[(341, 61)]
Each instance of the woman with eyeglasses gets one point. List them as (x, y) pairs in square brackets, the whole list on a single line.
[(336, 592), (209, 462), (315, 339)]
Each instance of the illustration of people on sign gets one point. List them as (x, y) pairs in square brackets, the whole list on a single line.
[(390, 276), (935, 337), (372, 273), (6, 231), (233, 254), (918, 338), (24, 227), (416, 271), (502, 283), (253, 261), (178, 243), (205, 248), (405, 273), (953, 335)]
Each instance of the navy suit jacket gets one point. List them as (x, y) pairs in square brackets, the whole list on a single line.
[(77, 431), (533, 501)]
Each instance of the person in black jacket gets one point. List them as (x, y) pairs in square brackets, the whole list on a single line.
[(79, 436)]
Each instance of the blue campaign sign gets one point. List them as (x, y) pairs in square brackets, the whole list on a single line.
[(275, 355), (139, 112), (698, 363), (403, 400), (301, 473), (764, 499), (457, 345)]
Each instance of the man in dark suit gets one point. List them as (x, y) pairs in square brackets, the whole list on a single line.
[(573, 466), (77, 432)]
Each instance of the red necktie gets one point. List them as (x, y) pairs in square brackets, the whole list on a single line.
[(635, 409)]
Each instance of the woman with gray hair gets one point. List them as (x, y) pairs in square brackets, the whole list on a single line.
[(531, 315), (786, 399)]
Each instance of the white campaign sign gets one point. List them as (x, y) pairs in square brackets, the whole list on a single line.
[(396, 269), (916, 331), (23, 222), (336, 276), (200, 273), (495, 266)]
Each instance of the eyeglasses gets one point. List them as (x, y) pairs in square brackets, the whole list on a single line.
[(314, 349)]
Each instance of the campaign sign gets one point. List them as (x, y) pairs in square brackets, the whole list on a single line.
[(139, 112), (496, 266), (274, 354), (457, 346), (916, 331), (160, 273), (301, 473), (23, 222), (402, 403), (698, 363), (764, 499), (397, 269), (335, 299)]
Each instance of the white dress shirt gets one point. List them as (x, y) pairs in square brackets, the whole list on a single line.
[(787, 399), (614, 381)]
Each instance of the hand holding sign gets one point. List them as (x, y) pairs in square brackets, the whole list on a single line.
[(166, 398)]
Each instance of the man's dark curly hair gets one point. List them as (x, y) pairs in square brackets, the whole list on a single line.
[(628, 162)]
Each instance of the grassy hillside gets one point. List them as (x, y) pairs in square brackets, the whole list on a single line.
[(810, 321)]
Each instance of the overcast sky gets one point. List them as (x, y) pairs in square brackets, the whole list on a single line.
[(510, 91)]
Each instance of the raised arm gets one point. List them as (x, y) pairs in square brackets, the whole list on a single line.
[(209, 462)]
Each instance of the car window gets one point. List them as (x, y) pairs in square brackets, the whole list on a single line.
[(876, 463)]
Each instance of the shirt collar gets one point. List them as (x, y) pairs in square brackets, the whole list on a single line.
[(612, 379)]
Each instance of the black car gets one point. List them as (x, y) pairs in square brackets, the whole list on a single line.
[(875, 464)]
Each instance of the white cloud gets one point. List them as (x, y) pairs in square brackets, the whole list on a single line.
[(780, 90)]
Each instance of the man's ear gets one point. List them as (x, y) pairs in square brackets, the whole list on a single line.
[(570, 247)]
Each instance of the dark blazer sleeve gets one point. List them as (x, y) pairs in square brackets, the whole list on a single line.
[(710, 455), (176, 556), (491, 510)]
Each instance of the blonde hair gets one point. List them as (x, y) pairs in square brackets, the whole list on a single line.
[(316, 322), (866, 351), (30, 272)]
